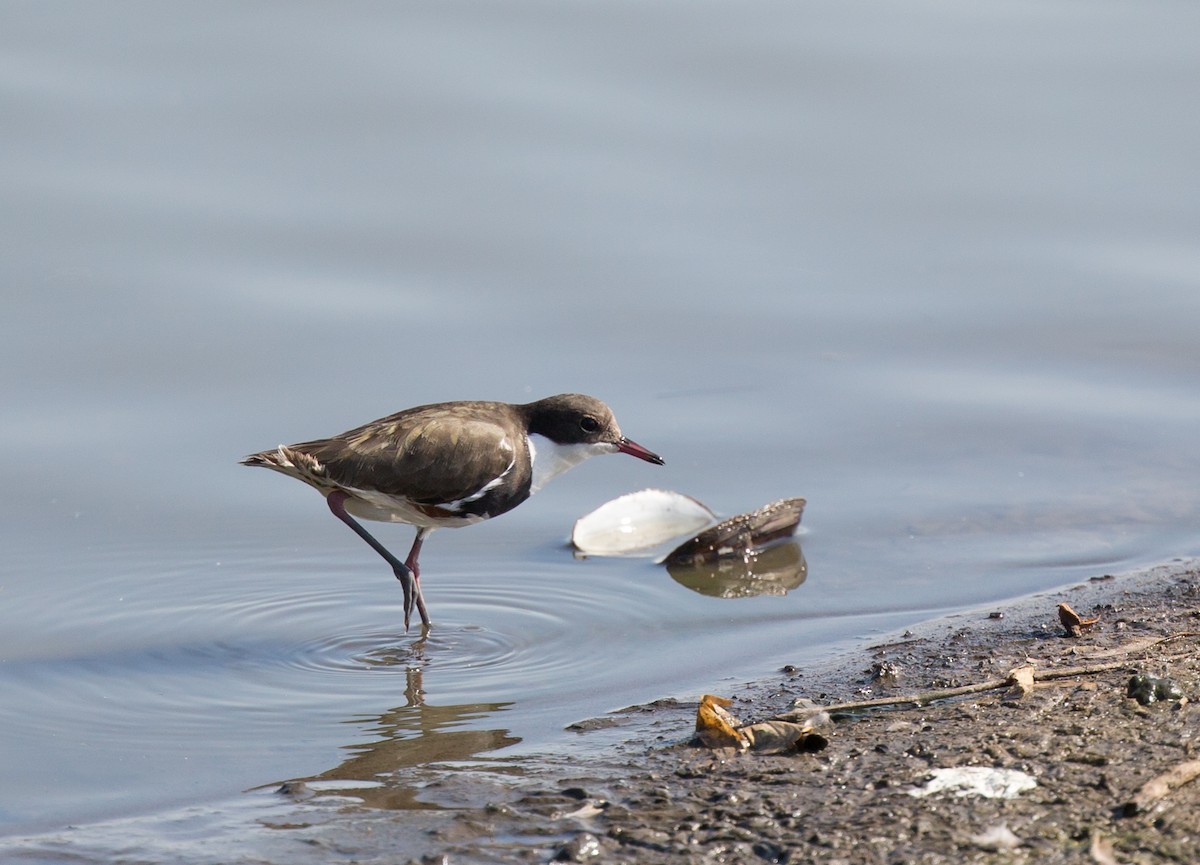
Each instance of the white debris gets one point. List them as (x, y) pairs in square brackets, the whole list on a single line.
[(977, 781)]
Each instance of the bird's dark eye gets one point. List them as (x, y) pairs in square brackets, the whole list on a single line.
[(589, 424)]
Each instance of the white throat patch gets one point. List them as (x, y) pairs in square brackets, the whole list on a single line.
[(551, 459)]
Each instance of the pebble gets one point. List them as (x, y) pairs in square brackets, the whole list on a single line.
[(582, 848)]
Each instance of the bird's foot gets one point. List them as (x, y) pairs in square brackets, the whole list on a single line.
[(410, 582), (409, 585), (420, 602)]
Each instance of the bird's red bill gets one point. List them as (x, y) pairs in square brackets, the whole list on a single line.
[(627, 446)]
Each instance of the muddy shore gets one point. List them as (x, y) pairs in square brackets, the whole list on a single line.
[(1086, 747)]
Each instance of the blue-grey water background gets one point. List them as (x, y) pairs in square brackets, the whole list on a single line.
[(933, 266)]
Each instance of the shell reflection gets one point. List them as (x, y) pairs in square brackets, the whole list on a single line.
[(775, 570)]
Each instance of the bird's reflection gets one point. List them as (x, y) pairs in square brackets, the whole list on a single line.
[(414, 734), (776, 570)]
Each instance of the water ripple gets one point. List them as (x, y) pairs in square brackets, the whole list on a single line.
[(500, 631)]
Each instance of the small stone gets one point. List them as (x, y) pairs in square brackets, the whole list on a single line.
[(886, 673), (769, 851), (582, 848), (1148, 689)]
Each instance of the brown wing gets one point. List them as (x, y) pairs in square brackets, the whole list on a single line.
[(426, 456)]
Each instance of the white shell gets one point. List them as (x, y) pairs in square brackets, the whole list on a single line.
[(637, 521)]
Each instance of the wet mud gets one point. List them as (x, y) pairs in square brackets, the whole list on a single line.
[(1113, 774)]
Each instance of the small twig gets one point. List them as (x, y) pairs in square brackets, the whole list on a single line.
[(1158, 787), (927, 697), (1135, 645), (1181, 635), (1085, 670), (922, 699)]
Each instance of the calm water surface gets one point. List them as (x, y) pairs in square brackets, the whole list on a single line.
[(933, 269)]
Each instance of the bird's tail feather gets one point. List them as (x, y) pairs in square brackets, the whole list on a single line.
[(276, 459)]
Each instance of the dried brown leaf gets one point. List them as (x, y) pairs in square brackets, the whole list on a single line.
[(1073, 622), (715, 726)]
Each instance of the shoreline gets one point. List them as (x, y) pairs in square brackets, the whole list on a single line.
[(643, 792), (655, 798)]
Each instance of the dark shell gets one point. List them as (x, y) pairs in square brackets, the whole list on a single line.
[(742, 535)]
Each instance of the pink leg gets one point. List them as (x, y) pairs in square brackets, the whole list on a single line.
[(404, 573), (413, 565)]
